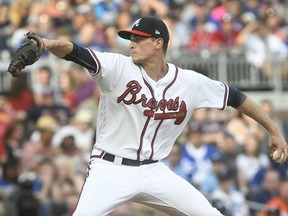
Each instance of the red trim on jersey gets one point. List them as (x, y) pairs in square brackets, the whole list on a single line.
[(150, 88), (153, 140), (225, 97), (96, 60), (145, 126), (98, 156), (141, 138), (165, 90)]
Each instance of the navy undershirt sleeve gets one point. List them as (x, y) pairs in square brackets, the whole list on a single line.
[(83, 57), (236, 97)]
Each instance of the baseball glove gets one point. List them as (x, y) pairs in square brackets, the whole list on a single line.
[(28, 53)]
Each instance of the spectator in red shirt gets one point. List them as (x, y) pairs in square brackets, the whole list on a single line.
[(20, 96), (6, 117), (13, 140), (226, 35), (201, 38), (3, 153)]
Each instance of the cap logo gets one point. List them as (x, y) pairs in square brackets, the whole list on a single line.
[(137, 22), (157, 32)]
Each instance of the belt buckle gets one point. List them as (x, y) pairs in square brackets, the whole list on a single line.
[(118, 160)]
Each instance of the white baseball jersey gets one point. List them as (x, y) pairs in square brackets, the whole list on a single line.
[(139, 118)]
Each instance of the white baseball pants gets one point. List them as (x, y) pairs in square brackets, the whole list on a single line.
[(109, 185)]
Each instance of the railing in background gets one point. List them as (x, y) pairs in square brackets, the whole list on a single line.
[(235, 70)]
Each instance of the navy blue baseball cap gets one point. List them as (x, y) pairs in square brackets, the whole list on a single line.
[(147, 27)]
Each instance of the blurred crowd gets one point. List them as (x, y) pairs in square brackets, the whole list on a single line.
[(258, 29), (48, 116)]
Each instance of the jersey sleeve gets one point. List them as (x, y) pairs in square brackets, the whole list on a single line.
[(211, 93), (110, 67)]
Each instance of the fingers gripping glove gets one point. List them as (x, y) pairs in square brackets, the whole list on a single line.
[(28, 53)]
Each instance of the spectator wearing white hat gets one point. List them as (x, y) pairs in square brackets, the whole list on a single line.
[(81, 129)]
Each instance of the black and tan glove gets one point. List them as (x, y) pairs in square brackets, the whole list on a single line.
[(27, 54)]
